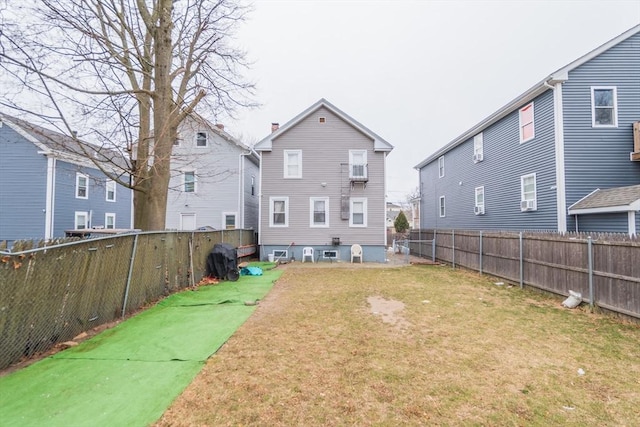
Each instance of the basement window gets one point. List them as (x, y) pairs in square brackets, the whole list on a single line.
[(280, 254), (330, 254)]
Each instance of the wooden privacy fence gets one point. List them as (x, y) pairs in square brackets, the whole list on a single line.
[(50, 295), (604, 268)]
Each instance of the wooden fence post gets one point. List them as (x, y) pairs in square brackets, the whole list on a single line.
[(521, 261), (590, 262), (480, 252), (453, 248)]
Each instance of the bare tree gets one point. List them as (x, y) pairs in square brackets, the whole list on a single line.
[(127, 73)]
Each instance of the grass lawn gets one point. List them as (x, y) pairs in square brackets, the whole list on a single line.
[(320, 350)]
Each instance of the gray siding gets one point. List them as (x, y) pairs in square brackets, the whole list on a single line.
[(612, 223), (23, 183), (66, 203), (251, 195), (505, 161), (599, 157), (217, 168), (325, 152)]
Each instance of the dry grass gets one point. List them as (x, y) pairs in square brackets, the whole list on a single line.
[(470, 353)]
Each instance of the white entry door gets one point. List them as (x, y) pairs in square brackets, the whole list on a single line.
[(187, 221)]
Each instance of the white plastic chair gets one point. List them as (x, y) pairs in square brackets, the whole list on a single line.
[(307, 251), (356, 252)]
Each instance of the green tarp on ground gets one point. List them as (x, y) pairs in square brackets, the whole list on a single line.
[(128, 375)]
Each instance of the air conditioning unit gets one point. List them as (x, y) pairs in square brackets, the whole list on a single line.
[(528, 205), (478, 210), (477, 157)]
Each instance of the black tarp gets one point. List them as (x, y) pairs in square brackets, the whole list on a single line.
[(222, 262)]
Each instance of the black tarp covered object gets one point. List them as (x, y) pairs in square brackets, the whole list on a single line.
[(222, 262)]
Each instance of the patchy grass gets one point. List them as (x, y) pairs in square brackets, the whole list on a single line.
[(463, 352)]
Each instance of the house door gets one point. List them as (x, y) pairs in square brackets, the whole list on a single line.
[(187, 221)]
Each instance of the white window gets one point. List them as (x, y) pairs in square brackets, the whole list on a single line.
[(604, 110), (82, 186), (81, 221), (442, 207), (528, 200), (357, 163), (527, 130), (441, 166), (110, 221), (278, 211), (293, 163), (478, 148), (189, 182), (201, 139), (358, 217), (479, 206), (111, 191), (229, 219), (253, 185), (319, 212)]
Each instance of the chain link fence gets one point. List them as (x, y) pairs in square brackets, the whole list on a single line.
[(50, 295)]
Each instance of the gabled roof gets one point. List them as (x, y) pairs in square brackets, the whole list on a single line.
[(542, 86), (55, 143), (619, 199), (379, 144)]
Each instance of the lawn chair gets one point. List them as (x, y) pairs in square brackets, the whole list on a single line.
[(356, 252), (307, 252)]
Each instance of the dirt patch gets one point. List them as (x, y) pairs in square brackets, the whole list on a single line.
[(389, 311)]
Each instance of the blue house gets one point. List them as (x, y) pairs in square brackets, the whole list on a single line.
[(48, 188), (544, 160)]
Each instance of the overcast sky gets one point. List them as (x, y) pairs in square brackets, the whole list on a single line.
[(417, 73)]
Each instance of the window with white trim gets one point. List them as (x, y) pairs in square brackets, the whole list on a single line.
[(189, 182), (319, 212), (82, 186), (111, 190), (527, 129), (253, 185), (229, 219), (478, 148), (109, 221), (442, 207), (441, 166), (357, 163), (528, 198), (479, 202), (81, 221), (293, 163), (201, 139), (358, 210), (278, 211), (604, 107)]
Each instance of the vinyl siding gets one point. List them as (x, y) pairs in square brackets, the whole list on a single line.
[(218, 179), (251, 201), (325, 154), (505, 161), (23, 174), (66, 203), (599, 157), (612, 223)]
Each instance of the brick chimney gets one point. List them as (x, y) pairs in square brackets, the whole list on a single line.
[(275, 127), (220, 126)]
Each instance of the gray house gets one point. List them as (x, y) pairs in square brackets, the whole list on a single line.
[(544, 160), (49, 187), (214, 179), (322, 187)]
